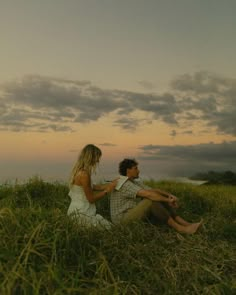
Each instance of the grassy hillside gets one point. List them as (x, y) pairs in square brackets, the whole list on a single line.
[(43, 252)]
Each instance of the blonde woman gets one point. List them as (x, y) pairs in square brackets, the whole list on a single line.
[(82, 192)]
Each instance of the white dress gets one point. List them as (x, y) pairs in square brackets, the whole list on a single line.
[(82, 210)]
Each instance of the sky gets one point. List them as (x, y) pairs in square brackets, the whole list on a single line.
[(153, 80)]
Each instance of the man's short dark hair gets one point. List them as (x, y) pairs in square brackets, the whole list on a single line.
[(126, 164)]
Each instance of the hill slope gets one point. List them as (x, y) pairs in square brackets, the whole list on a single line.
[(43, 252)]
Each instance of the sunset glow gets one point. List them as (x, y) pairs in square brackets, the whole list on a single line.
[(149, 79)]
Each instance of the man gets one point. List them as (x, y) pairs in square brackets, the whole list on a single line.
[(135, 201)]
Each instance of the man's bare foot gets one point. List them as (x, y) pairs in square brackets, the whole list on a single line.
[(200, 222), (187, 228), (192, 228)]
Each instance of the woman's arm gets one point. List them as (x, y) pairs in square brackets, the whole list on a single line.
[(99, 187), (105, 186), (83, 179)]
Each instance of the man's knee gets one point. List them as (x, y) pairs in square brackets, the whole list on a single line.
[(160, 212)]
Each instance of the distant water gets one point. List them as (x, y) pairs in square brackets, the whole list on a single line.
[(187, 180)]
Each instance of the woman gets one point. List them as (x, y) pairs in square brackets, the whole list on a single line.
[(82, 193)]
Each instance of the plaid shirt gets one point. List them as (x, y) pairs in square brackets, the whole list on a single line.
[(125, 198)]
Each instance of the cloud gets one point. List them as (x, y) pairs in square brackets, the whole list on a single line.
[(48, 103), (187, 132), (36, 102), (173, 133), (108, 144), (211, 97), (127, 123), (73, 151), (146, 84), (191, 158)]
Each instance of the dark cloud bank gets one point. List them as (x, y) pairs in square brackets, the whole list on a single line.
[(189, 159), (46, 103), (42, 104)]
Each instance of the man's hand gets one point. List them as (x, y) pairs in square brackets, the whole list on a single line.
[(174, 205), (172, 198), (173, 201)]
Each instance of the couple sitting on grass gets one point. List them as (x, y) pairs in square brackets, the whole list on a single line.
[(130, 199)]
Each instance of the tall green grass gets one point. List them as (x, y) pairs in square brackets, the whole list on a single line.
[(44, 252)]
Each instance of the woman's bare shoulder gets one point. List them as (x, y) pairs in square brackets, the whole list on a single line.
[(82, 176)]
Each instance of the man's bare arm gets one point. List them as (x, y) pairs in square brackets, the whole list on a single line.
[(155, 196), (163, 193)]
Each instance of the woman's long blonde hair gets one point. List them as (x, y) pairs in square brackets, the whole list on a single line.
[(87, 160)]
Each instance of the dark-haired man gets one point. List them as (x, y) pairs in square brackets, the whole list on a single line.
[(135, 201)]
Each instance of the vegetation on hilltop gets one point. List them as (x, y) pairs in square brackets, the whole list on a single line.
[(214, 177), (43, 252)]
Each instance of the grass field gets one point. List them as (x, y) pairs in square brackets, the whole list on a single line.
[(43, 252)]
